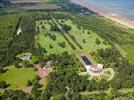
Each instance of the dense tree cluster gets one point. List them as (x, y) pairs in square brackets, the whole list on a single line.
[(22, 42)]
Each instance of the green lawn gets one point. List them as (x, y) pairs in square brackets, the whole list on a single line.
[(43, 27), (45, 40), (129, 49), (17, 78), (90, 39)]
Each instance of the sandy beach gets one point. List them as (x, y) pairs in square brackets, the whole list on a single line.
[(106, 13)]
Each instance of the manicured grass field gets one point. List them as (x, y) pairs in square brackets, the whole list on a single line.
[(43, 26), (129, 49), (89, 38), (17, 78), (45, 40)]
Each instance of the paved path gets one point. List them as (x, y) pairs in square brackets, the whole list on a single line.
[(42, 73)]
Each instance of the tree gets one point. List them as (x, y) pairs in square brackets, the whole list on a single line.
[(62, 44), (88, 32), (97, 41), (29, 83), (52, 36), (66, 28), (50, 46), (43, 27), (84, 41), (3, 84)]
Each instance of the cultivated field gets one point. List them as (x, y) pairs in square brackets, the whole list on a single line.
[(41, 6), (25, 1), (36, 4)]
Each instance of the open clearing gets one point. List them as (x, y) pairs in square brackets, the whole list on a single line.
[(18, 78), (130, 51)]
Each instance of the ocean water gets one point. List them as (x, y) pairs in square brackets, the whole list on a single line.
[(122, 7)]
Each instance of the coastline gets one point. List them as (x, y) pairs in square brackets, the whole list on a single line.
[(106, 13)]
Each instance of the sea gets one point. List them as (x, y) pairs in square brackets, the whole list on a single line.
[(123, 7)]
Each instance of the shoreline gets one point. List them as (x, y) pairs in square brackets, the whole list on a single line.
[(106, 13)]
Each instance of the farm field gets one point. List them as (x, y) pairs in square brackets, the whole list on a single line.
[(36, 4), (31, 1), (41, 7), (18, 78), (25, 1), (86, 38)]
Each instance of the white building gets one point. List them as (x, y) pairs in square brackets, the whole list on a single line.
[(92, 69)]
